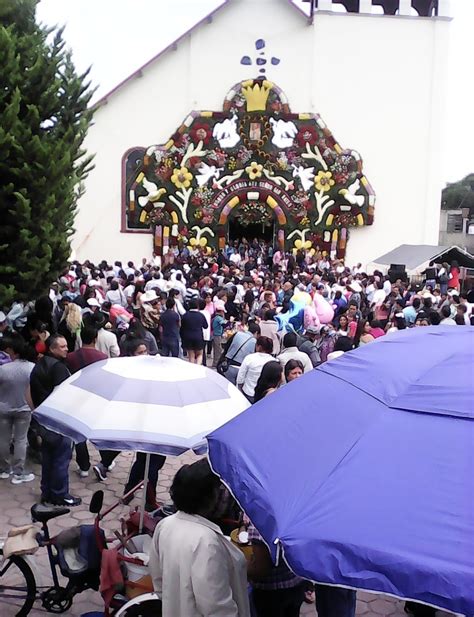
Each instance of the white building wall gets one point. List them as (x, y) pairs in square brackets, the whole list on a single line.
[(377, 81)]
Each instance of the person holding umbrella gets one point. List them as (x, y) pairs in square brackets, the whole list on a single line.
[(136, 347)]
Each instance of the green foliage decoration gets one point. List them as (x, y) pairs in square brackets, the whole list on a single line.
[(44, 118)]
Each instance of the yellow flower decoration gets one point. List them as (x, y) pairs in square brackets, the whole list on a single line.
[(182, 178), (254, 170), (324, 181)]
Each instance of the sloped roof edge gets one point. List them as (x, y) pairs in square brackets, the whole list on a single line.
[(172, 46), (415, 255)]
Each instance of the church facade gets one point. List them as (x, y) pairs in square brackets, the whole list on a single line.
[(257, 122)]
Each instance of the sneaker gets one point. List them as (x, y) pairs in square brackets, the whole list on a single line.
[(5, 475), (24, 477), (84, 473), (100, 472), (111, 466), (67, 500)]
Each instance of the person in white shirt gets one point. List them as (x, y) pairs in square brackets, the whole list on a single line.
[(291, 352), (176, 282), (106, 341), (115, 295), (195, 570), (235, 258), (387, 286), (251, 366), (157, 282)]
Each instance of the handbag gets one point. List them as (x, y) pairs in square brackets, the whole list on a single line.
[(224, 362)]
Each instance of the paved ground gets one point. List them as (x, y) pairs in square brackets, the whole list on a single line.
[(15, 503)]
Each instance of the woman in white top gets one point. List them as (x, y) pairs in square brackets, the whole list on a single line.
[(195, 570)]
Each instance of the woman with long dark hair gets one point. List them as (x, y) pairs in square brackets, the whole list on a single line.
[(270, 380)]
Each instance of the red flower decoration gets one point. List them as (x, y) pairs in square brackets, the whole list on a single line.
[(201, 132), (307, 135)]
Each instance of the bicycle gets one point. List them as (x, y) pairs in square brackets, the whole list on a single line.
[(18, 587)]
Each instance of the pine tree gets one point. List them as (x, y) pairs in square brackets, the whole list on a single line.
[(44, 119)]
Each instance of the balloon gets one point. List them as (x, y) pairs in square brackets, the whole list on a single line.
[(311, 317), (294, 318), (301, 297), (299, 244), (324, 310), (208, 250), (193, 242), (307, 244), (203, 242)]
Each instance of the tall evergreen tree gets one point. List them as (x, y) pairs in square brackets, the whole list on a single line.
[(44, 119)]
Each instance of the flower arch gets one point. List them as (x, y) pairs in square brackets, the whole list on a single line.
[(255, 151)]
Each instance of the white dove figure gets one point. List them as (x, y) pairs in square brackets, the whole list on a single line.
[(305, 174), (284, 133), (350, 194), (154, 193), (225, 132), (206, 172)]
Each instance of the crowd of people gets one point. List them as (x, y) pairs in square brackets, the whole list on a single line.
[(219, 310)]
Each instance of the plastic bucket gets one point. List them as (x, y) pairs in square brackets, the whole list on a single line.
[(135, 571)]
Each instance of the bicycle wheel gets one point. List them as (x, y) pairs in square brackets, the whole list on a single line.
[(17, 587)]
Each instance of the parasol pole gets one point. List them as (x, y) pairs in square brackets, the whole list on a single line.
[(145, 486)]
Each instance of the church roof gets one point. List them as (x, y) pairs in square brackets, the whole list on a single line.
[(173, 45)]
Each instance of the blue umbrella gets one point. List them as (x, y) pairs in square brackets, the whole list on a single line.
[(361, 472)]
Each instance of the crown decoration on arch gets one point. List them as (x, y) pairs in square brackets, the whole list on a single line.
[(254, 160)]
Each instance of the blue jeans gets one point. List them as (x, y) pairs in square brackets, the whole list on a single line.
[(170, 347), (231, 374), (56, 455), (334, 601), (13, 424)]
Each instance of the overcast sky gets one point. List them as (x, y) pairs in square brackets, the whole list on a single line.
[(115, 37)]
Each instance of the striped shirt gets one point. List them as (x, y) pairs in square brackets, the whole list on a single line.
[(280, 576)]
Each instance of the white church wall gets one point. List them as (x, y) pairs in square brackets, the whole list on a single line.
[(371, 78)]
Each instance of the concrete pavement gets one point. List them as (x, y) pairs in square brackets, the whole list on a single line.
[(15, 503)]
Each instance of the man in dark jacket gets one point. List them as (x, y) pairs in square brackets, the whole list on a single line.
[(307, 344), (56, 450)]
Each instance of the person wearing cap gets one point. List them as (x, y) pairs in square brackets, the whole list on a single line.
[(307, 344), (355, 289), (149, 312)]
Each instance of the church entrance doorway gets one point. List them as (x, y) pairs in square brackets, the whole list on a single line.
[(261, 231)]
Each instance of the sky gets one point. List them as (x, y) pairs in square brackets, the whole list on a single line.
[(115, 37)]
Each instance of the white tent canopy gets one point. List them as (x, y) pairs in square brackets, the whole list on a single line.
[(416, 257)]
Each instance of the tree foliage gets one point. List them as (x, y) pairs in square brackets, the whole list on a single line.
[(44, 120), (459, 195)]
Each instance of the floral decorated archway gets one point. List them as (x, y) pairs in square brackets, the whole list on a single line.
[(256, 156)]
